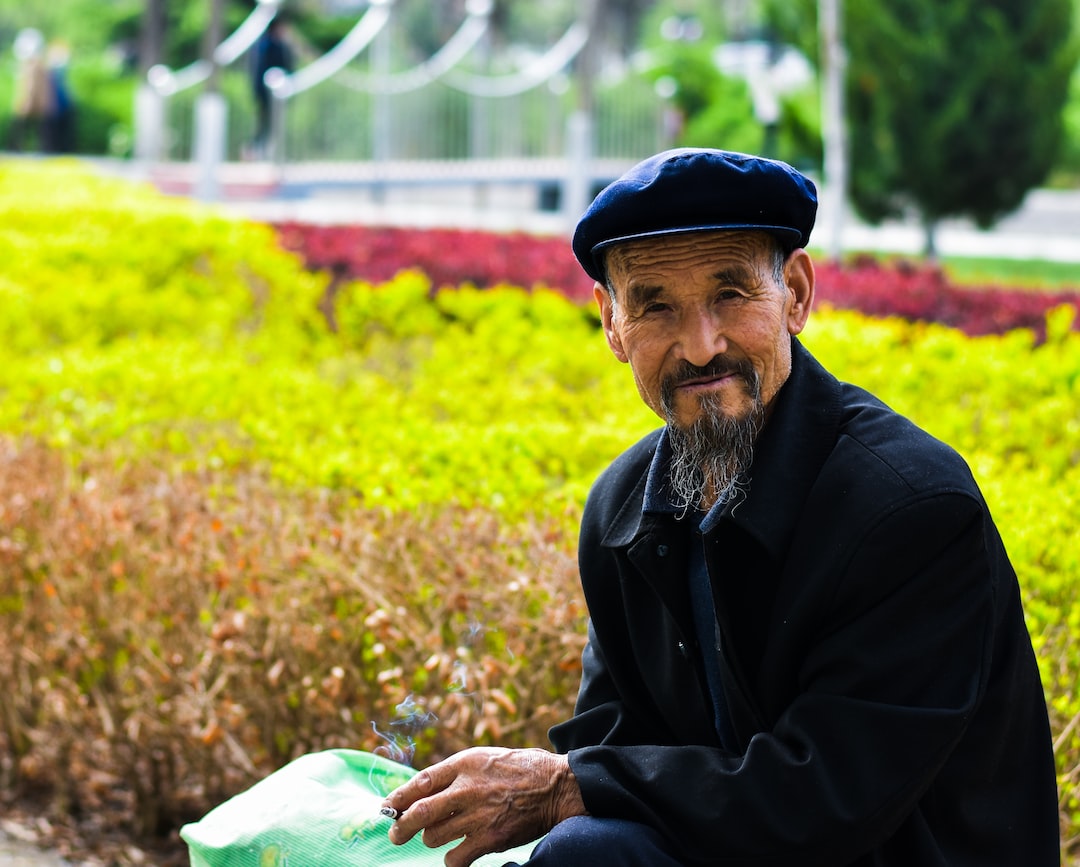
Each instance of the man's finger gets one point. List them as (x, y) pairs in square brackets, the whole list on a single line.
[(411, 803), (464, 854), (444, 832), (426, 782)]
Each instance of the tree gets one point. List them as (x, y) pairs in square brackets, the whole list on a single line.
[(955, 109), (679, 38), (152, 35)]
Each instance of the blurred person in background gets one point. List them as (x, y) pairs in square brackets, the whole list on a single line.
[(60, 121), (806, 643), (33, 103), (271, 51)]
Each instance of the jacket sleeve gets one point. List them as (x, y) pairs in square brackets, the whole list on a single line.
[(601, 715), (893, 666)]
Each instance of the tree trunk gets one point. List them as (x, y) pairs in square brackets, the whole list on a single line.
[(152, 36), (930, 250), (214, 35), (587, 64), (834, 136)]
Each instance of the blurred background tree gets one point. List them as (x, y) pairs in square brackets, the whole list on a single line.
[(708, 108), (954, 109), (1067, 169)]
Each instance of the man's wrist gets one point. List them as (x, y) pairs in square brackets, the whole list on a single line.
[(567, 796)]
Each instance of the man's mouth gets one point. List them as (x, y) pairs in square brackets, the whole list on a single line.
[(706, 382), (693, 380), (709, 380)]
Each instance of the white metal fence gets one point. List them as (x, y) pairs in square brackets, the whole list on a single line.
[(352, 104)]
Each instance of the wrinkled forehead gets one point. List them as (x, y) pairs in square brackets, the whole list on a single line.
[(749, 250)]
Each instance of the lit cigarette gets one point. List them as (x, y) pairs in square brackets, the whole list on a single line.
[(390, 812)]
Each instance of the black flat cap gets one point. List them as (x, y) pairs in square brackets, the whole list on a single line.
[(697, 190)]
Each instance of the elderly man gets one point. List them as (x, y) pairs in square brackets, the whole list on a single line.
[(806, 645)]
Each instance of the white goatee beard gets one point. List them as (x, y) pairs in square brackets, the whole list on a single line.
[(711, 458)]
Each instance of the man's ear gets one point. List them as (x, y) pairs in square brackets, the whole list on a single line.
[(799, 279), (607, 313)]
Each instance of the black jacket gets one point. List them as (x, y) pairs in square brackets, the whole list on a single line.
[(878, 671)]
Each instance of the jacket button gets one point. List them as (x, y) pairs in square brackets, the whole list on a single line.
[(661, 550)]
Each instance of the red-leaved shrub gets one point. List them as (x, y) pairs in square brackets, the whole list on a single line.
[(922, 292), (451, 257)]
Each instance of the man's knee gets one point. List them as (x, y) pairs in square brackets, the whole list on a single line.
[(587, 840)]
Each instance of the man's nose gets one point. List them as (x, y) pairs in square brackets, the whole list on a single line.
[(702, 338)]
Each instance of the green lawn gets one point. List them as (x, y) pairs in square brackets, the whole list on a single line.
[(1014, 273)]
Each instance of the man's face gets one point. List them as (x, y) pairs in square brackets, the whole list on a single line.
[(694, 313)]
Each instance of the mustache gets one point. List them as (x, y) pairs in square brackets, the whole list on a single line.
[(719, 366)]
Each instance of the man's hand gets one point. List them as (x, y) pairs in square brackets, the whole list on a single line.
[(494, 798)]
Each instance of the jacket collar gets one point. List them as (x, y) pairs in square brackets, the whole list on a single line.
[(789, 454)]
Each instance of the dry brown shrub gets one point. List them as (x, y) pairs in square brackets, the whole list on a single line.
[(166, 640)]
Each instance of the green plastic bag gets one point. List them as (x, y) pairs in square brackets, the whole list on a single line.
[(321, 810)]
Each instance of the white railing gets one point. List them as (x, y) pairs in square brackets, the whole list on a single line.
[(350, 104)]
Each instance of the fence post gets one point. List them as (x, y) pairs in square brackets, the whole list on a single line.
[(211, 112), (382, 54), (833, 63), (276, 80), (576, 184), (579, 126), (149, 144), (210, 119)]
